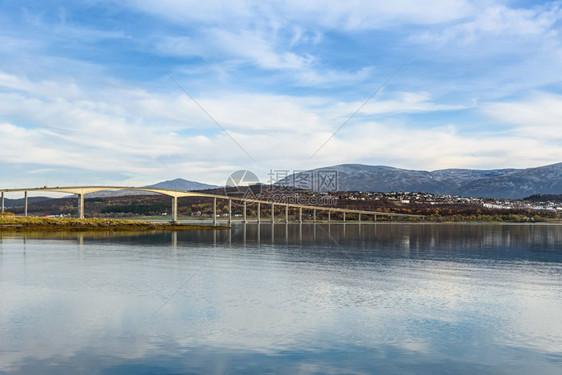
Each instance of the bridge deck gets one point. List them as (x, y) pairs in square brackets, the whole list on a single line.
[(175, 194)]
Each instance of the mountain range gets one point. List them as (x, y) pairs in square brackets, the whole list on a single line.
[(181, 184), (176, 184), (494, 183)]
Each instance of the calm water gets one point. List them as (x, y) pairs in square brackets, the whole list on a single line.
[(390, 298)]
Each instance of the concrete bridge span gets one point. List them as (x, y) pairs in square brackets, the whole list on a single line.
[(81, 191)]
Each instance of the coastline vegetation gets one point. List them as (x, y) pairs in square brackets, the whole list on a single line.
[(10, 222)]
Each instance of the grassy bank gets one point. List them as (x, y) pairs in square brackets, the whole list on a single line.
[(18, 224)]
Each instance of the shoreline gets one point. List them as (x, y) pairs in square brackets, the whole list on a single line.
[(10, 223), (29, 224)]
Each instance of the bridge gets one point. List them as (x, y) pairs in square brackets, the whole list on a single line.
[(81, 191)]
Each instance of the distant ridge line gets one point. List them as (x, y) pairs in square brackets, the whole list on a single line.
[(508, 183)]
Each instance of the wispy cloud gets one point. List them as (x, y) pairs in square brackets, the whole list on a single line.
[(538, 117), (79, 91), (499, 21), (262, 49), (135, 136), (354, 15)]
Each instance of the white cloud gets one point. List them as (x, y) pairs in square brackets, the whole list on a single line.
[(400, 102), (541, 116), (436, 148), (365, 15), (150, 135), (263, 49), (319, 78), (350, 15), (258, 47), (279, 36), (45, 88), (499, 21)]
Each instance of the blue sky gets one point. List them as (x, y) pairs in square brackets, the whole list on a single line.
[(83, 101)]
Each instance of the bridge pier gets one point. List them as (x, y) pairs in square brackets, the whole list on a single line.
[(214, 211), (174, 209), (81, 206), (244, 212), (81, 191), (229, 211)]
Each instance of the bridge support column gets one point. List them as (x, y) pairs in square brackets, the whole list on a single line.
[(244, 213), (314, 215), (300, 214), (174, 209), (359, 217), (25, 204), (229, 211), (2, 201), (81, 206), (329, 214), (214, 211), (375, 218), (286, 213), (259, 212), (344, 216), (273, 212)]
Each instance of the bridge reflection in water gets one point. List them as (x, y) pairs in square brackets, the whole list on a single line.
[(258, 234), (479, 240), (81, 191)]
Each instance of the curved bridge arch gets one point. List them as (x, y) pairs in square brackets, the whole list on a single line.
[(175, 194)]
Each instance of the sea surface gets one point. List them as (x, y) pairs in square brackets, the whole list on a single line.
[(295, 299)]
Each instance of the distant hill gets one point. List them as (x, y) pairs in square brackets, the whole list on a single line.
[(518, 184), (545, 198), (181, 184), (177, 184), (19, 202), (495, 183)]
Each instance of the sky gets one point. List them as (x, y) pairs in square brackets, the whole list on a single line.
[(90, 90)]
